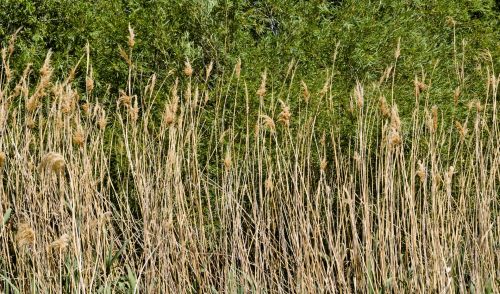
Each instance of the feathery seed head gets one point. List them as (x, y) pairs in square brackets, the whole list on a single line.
[(262, 89), (256, 129), (284, 116), (384, 107), (475, 104), (419, 86), (12, 41), (207, 97), (168, 115), (227, 160), (421, 172), (394, 138), (6, 66), (434, 118), (134, 110), (397, 53), (456, 95), (209, 70), (60, 244), (305, 91), (124, 99), (30, 122), (32, 103), (86, 108), (3, 156), (79, 137), (237, 69), (188, 93), (323, 139), (69, 99), (125, 56), (131, 36), (326, 85), (89, 84), (102, 122), (52, 161), (462, 129), (269, 123), (46, 70), (359, 93), (25, 235), (174, 102), (268, 184), (188, 69), (323, 164), (395, 120)]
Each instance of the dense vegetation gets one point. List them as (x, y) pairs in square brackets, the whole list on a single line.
[(264, 34), (249, 146)]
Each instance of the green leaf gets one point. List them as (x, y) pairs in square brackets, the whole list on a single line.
[(109, 261), (6, 216), (132, 279), (7, 280)]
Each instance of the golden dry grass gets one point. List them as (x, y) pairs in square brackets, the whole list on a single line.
[(200, 205)]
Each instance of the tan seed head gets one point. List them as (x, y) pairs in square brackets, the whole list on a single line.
[(262, 89), (60, 244), (188, 69), (2, 158), (323, 164), (52, 161), (305, 91), (131, 36), (25, 235)]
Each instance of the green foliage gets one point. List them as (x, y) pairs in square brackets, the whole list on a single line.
[(264, 34)]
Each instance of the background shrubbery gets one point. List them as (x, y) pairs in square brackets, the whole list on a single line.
[(262, 33)]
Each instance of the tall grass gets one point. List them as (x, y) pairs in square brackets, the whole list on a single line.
[(210, 192)]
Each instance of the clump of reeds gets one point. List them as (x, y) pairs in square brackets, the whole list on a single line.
[(227, 197)]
